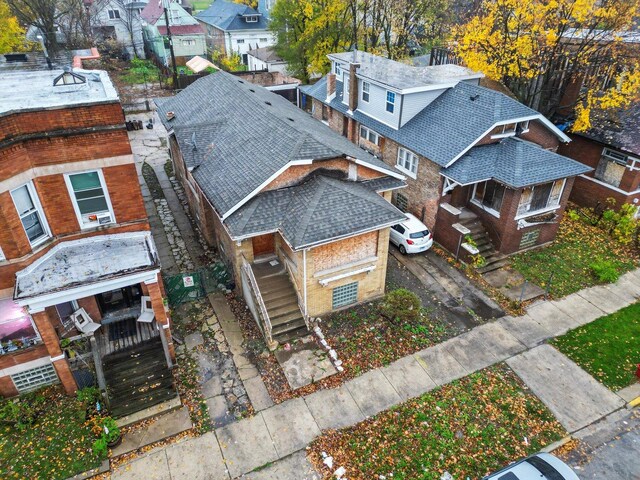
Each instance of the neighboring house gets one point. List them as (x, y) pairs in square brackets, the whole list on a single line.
[(235, 28), (472, 156), (188, 36), (277, 82), (118, 20), (265, 58), (612, 149), (75, 242), (299, 213)]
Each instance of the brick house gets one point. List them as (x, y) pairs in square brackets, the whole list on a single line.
[(76, 255), (612, 149), (298, 213), (478, 162)]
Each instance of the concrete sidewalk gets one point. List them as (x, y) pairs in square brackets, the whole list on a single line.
[(280, 431)]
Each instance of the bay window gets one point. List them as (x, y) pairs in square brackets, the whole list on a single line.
[(541, 198), (17, 330), (30, 213), (90, 198)]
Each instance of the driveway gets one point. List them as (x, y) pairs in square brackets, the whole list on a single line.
[(443, 290)]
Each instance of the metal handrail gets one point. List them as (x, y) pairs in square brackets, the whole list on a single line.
[(267, 328)]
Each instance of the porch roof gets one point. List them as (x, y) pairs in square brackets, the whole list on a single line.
[(320, 210), (514, 162), (85, 261)]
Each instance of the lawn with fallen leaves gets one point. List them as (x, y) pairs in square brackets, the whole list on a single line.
[(57, 446), (569, 258), (608, 348), (469, 428)]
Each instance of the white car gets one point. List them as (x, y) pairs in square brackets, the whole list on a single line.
[(411, 236), (541, 466)]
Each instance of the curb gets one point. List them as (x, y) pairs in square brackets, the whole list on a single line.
[(634, 403), (104, 467), (555, 445)]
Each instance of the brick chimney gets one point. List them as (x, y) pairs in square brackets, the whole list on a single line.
[(331, 86), (353, 87)]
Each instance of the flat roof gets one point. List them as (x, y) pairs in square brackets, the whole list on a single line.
[(33, 89), (402, 76), (85, 261)]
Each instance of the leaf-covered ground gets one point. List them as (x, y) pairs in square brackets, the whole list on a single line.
[(468, 428), (608, 348), (577, 246), (57, 446)]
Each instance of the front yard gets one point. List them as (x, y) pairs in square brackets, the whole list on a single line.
[(57, 445), (468, 428), (582, 255), (608, 348)]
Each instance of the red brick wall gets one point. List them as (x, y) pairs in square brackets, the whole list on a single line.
[(7, 388), (540, 134), (23, 356), (124, 192)]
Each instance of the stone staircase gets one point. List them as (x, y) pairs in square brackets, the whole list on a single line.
[(279, 296), (494, 259)]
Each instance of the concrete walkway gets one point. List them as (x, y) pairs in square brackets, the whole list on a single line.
[(282, 430)]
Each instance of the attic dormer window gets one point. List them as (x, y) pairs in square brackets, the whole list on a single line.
[(251, 18), (510, 129), (68, 78)]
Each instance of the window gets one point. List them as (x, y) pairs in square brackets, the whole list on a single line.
[(391, 101), (252, 19), (510, 129), (325, 113), (346, 89), (611, 167), (399, 228), (540, 198), (187, 43), (369, 135), (338, 71), (114, 14), (2, 256), (16, 327), (31, 214), (240, 41), (407, 162), (91, 199), (264, 40), (402, 202), (365, 91), (34, 378), (345, 295), (489, 195)]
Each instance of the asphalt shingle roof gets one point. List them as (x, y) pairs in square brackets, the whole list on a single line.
[(513, 162), (619, 128), (228, 16), (447, 126), (321, 208), (235, 136)]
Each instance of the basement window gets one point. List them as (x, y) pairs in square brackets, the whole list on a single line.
[(345, 295), (34, 378)]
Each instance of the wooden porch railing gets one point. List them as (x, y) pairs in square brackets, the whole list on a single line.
[(265, 326)]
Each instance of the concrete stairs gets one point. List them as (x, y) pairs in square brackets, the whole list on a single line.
[(494, 259), (280, 298)]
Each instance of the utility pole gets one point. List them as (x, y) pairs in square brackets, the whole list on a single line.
[(174, 67)]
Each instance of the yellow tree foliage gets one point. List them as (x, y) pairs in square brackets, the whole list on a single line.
[(250, 3), (12, 37), (540, 48)]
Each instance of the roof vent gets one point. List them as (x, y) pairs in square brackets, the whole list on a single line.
[(268, 103), (68, 78), (473, 98), (170, 115), (240, 81), (252, 90), (290, 119)]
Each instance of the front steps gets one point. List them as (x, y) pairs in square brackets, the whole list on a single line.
[(494, 259)]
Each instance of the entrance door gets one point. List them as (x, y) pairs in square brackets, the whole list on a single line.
[(263, 244)]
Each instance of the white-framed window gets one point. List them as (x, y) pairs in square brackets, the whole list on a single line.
[(34, 378), (369, 135), (402, 202), (17, 330), (346, 89), (188, 42), (338, 71), (114, 14), (489, 195), (540, 198), (611, 167), (2, 256), (511, 129), (407, 162), (31, 214), (366, 86), (90, 198), (344, 295), (252, 18), (240, 41), (391, 101), (264, 40)]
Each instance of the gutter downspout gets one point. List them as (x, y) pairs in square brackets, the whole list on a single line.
[(304, 285)]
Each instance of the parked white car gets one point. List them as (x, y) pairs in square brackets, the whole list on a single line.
[(411, 236), (541, 466)]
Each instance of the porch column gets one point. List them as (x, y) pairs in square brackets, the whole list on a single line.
[(162, 318), (51, 341)]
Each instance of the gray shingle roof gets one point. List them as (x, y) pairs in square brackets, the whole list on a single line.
[(244, 134), (447, 126), (619, 128), (513, 162), (320, 209), (228, 16)]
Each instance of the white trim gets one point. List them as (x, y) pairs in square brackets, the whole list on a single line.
[(356, 263), (411, 174), (60, 168), (55, 359), (21, 367), (503, 135), (611, 187), (344, 237), (151, 281), (284, 86), (484, 208), (538, 212), (547, 208), (74, 201), (465, 184), (259, 188), (377, 169), (304, 284), (326, 281), (33, 194), (439, 86), (166, 326), (450, 208)]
